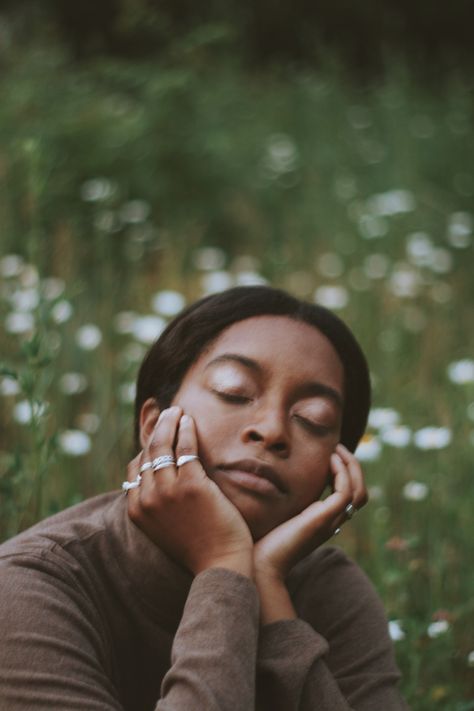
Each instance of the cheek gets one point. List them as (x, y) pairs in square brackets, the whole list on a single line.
[(316, 476)]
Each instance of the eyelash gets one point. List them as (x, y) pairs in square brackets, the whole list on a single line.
[(229, 397), (312, 427)]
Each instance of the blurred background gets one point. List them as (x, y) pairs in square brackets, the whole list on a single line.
[(154, 151)]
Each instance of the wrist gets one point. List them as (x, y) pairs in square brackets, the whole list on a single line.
[(241, 563)]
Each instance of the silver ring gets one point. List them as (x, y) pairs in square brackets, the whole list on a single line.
[(145, 466), (336, 532), (185, 458), (127, 485), (166, 460), (350, 510)]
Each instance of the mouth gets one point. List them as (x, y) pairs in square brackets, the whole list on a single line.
[(254, 475)]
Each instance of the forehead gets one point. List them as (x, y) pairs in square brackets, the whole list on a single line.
[(283, 345)]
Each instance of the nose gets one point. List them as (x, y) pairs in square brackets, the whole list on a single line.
[(269, 427)]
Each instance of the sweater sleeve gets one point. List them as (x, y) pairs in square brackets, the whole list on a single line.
[(53, 654), (337, 656), (215, 647)]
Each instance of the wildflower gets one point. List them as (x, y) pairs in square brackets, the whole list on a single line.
[(432, 437), (368, 449), (375, 492), (11, 265), (391, 202), (74, 443), (461, 371), (460, 226), (168, 303), (25, 299), (282, 154), (415, 491), (19, 322), (146, 329), (376, 266), (437, 628), (9, 386), (397, 436), (209, 259), (216, 281), (371, 226), (127, 392), (61, 312), (381, 417), (72, 383), (419, 248), (52, 288), (395, 631), (250, 279), (29, 276), (23, 412), (88, 337), (404, 282), (330, 265), (89, 422), (124, 321), (135, 211), (332, 297), (97, 189)]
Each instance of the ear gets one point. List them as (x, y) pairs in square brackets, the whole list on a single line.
[(148, 417)]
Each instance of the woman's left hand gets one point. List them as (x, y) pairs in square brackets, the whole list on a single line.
[(277, 552)]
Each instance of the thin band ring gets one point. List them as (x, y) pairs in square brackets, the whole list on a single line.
[(127, 485), (166, 460), (185, 458), (350, 510), (145, 466)]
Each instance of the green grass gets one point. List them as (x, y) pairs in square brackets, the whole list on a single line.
[(276, 172)]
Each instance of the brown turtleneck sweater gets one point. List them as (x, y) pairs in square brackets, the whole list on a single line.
[(94, 617)]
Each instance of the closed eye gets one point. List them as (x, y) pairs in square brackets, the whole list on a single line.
[(313, 427), (232, 397)]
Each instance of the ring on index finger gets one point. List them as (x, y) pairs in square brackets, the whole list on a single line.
[(166, 460), (127, 485)]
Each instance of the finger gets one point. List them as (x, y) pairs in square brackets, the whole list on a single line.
[(359, 489), (161, 444), (187, 444)]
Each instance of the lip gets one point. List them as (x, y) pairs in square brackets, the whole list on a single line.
[(254, 474)]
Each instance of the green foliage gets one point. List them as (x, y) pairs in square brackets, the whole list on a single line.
[(117, 178)]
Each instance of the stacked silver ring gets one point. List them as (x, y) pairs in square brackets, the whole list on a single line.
[(166, 460)]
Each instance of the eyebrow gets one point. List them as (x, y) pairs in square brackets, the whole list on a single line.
[(309, 389)]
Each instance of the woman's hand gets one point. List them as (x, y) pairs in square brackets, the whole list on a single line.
[(277, 552), (181, 510)]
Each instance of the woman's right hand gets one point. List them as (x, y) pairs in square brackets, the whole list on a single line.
[(183, 511)]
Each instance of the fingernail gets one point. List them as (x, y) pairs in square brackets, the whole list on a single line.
[(336, 458), (185, 420), (341, 446)]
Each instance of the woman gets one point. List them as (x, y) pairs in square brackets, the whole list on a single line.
[(205, 587)]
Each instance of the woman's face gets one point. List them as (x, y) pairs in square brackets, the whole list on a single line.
[(267, 399)]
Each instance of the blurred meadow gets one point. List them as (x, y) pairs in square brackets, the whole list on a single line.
[(132, 186)]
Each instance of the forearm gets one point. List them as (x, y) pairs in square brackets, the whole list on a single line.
[(215, 647)]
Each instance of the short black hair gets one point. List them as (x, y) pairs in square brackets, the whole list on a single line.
[(184, 339)]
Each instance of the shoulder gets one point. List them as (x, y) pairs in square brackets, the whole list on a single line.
[(58, 538)]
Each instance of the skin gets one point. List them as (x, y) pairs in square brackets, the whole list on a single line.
[(268, 392)]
